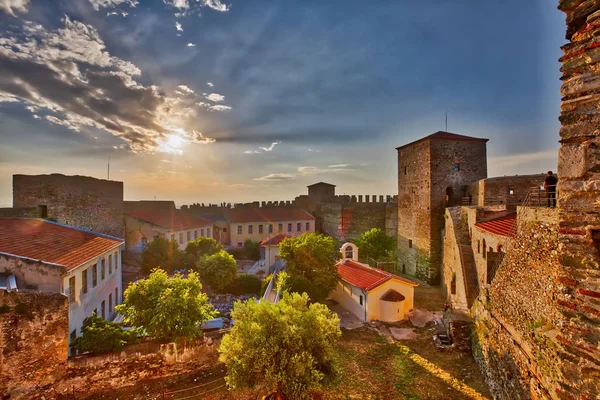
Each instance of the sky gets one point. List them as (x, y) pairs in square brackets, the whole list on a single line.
[(241, 100)]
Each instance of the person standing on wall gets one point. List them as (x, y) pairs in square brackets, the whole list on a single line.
[(550, 187)]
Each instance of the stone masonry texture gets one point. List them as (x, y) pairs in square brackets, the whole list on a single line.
[(81, 201)]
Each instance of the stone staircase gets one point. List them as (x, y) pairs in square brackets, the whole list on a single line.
[(470, 272)]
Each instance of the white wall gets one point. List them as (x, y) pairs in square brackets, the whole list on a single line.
[(85, 303), (271, 252), (349, 297), (255, 236)]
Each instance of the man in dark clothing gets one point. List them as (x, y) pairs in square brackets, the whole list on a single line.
[(550, 187)]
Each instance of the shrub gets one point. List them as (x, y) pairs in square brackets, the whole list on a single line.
[(244, 284), (217, 270), (101, 336), (252, 250)]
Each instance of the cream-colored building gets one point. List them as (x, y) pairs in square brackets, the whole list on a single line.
[(51, 257), (260, 223), (143, 226), (369, 293), (269, 248)]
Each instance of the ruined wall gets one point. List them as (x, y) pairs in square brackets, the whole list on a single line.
[(34, 341), (579, 191), (347, 222), (31, 274), (452, 269), (81, 201), (517, 320), (497, 190)]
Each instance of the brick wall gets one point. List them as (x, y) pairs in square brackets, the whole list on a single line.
[(34, 341), (496, 190), (81, 201), (21, 212), (347, 222)]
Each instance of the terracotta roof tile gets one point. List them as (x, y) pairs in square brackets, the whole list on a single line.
[(170, 219), (504, 226), (268, 214), (51, 242), (275, 240), (365, 277)]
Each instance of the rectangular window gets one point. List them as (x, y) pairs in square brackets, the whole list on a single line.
[(239, 229), (270, 228), (298, 227), (103, 269), (84, 284), (110, 264), (456, 167), (110, 304), (511, 191), (71, 292), (410, 243), (289, 227), (116, 258), (103, 309), (202, 232), (116, 296), (361, 300), (250, 229), (189, 236), (180, 237), (207, 232), (195, 235), (307, 226), (405, 170), (224, 230), (172, 236), (260, 229), (94, 275), (280, 228)]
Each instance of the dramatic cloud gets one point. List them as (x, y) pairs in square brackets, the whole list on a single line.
[(178, 26), (214, 107), (13, 6), (210, 84), (276, 177), (271, 147), (69, 73), (191, 45), (184, 90), (216, 97), (112, 3)]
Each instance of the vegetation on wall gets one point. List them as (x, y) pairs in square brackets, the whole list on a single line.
[(166, 307), (311, 264), (288, 346)]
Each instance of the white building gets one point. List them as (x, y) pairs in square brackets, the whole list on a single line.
[(369, 293), (51, 257)]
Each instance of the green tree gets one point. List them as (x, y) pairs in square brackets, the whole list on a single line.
[(200, 247), (162, 253), (217, 270), (166, 307), (311, 264), (100, 336), (244, 284), (252, 250), (377, 245), (287, 346)]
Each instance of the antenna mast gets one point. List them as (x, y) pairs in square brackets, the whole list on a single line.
[(446, 121), (108, 169)]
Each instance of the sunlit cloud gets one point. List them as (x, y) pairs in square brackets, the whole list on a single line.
[(184, 89), (276, 177), (14, 6), (191, 45), (271, 147), (210, 84), (178, 26), (216, 97), (97, 4)]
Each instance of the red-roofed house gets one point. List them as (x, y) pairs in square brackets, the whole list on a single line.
[(269, 248), (369, 293), (51, 257), (259, 223), (142, 226)]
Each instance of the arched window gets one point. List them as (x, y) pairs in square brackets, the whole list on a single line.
[(349, 252), (484, 249)]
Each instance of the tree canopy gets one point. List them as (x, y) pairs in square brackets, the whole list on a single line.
[(217, 270), (311, 264), (377, 245), (252, 250), (288, 346), (200, 247), (162, 253), (99, 335), (166, 307)]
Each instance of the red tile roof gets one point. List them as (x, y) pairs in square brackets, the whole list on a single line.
[(170, 219), (365, 277), (441, 135), (51, 242), (505, 225), (268, 214), (274, 240)]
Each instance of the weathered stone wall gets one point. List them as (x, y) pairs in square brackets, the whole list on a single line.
[(34, 341), (452, 268), (31, 274), (496, 190), (22, 212), (347, 222), (517, 320), (579, 191), (81, 201)]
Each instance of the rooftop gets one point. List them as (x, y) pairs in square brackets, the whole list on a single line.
[(267, 214), (52, 243), (171, 220), (321, 184), (275, 240), (365, 277), (441, 135), (505, 225)]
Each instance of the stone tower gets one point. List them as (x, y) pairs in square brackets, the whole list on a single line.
[(433, 173)]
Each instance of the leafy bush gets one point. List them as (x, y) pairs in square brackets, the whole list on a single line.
[(162, 253), (252, 250), (376, 245), (217, 270), (237, 252), (101, 336), (244, 284), (200, 247)]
